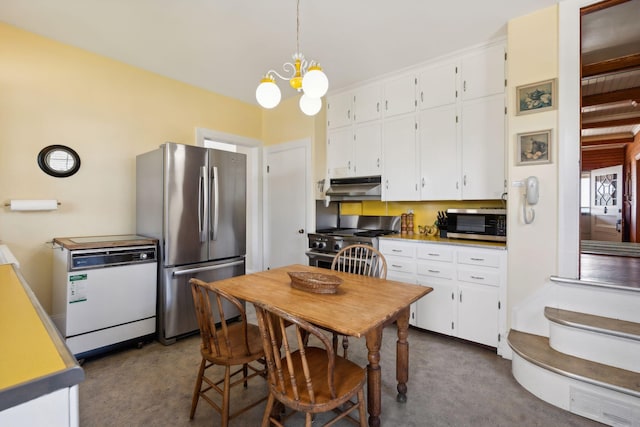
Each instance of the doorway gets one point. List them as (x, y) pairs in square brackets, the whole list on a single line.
[(287, 203), (610, 139)]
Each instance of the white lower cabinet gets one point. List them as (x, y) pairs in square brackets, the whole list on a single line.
[(469, 287)]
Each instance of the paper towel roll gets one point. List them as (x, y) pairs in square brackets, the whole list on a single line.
[(34, 205)]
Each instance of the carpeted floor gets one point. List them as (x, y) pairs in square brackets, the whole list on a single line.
[(452, 383)]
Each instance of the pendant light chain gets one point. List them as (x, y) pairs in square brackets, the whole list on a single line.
[(298, 27), (305, 77)]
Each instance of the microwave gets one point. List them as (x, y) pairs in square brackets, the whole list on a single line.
[(477, 224)]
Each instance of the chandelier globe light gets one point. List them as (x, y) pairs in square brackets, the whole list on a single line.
[(268, 93), (309, 105), (303, 76)]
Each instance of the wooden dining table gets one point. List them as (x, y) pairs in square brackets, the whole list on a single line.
[(361, 307)]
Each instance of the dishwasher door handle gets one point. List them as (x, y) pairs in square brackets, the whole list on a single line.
[(209, 268)]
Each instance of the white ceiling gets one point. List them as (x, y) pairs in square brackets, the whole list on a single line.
[(227, 45)]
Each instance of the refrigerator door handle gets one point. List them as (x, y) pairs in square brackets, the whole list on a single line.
[(216, 208), (202, 203), (208, 268)]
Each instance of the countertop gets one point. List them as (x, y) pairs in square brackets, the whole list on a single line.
[(443, 240), (35, 360), (94, 242)]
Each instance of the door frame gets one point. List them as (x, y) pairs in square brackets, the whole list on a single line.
[(252, 148), (304, 143)]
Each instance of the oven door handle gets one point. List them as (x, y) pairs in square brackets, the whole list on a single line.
[(326, 256)]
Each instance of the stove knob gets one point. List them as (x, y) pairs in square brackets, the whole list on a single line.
[(143, 256), (336, 247), (321, 245), (314, 245)]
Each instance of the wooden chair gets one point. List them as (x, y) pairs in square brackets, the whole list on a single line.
[(358, 259), (233, 344), (305, 378)]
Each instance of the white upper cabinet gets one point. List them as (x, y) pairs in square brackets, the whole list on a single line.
[(354, 133), (439, 154), (433, 133), (368, 149), (339, 110), (483, 73), (483, 140), (400, 95), (340, 153), (437, 85), (400, 161), (367, 103)]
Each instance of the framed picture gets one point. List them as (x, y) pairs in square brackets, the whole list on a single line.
[(533, 148), (536, 97)]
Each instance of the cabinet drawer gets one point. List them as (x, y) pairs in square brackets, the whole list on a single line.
[(486, 259), (401, 265), (442, 271), (484, 277), (435, 253), (397, 249)]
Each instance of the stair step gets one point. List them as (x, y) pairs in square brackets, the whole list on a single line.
[(605, 325), (599, 339), (536, 350)]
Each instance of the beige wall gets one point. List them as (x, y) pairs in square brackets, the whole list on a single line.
[(108, 112), (532, 57)]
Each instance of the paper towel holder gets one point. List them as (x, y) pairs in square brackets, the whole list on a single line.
[(7, 205), (59, 161)]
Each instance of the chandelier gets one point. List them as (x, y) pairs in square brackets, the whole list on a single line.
[(303, 76)]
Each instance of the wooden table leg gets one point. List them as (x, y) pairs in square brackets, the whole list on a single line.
[(402, 355), (374, 378)]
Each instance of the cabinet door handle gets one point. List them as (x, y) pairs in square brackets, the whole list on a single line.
[(464, 180), (434, 271), (477, 259), (435, 255), (348, 114), (421, 96), (386, 184), (477, 277), (386, 105), (396, 266), (396, 250), (378, 107), (422, 182), (460, 295), (378, 162), (349, 165), (452, 296), (464, 85)]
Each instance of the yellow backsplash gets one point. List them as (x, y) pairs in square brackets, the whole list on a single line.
[(425, 213)]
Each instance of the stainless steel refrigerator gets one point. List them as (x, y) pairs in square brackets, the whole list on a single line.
[(193, 200)]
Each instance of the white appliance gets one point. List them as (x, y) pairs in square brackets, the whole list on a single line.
[(104, 291)]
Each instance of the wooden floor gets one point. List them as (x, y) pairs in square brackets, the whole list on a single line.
[(619, 270)]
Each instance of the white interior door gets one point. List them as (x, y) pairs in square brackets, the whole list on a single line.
[(606, 204), (287, 199)]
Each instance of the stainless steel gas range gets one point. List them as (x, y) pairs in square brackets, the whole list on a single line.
[(325, 244)]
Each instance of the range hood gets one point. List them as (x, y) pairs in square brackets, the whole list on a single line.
[(354, 189)]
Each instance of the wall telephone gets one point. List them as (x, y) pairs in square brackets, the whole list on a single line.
[(531, 196)]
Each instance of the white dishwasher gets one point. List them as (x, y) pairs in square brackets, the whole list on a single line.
[(104, 291)]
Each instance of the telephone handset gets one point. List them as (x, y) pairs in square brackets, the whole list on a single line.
[(531, 196), (531, 185)]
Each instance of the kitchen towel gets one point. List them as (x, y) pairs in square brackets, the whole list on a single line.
[(34, 205)]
